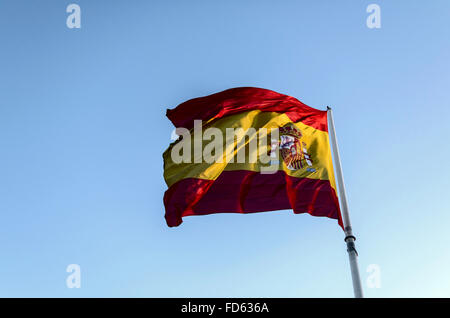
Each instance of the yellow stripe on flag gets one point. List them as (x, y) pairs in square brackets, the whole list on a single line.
[(314, 141)]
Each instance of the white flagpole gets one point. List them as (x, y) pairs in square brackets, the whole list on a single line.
[(349, 237)]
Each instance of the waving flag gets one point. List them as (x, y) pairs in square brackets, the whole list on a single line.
[(248, 150)]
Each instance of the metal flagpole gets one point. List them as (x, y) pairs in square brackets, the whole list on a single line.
[(349, 237)]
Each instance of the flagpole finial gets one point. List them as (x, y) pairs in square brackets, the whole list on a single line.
[(328, 108)]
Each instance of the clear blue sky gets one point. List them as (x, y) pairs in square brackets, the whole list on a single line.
[(83, 129)]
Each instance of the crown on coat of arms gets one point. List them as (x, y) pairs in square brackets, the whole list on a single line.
[(290, 130)]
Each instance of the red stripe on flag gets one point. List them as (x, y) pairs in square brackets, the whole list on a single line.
[(244, 191), (241, 99)]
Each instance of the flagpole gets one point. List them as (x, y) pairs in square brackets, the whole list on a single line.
[(349, 237)]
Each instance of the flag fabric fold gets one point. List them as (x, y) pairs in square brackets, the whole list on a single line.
[(302, 177)]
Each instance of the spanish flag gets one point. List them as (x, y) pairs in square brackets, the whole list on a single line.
[(248, 150)]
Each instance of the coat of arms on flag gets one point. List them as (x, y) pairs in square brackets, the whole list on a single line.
[(292, 149)]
